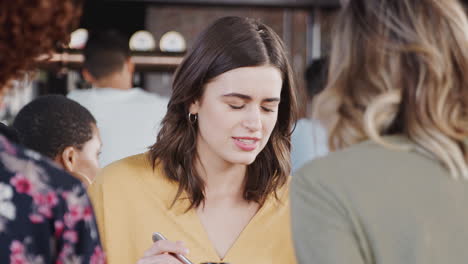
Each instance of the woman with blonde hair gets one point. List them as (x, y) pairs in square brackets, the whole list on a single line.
[(397, 100)]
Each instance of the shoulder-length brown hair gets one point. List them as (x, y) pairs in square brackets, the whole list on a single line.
[(229, 43), (400, 67)]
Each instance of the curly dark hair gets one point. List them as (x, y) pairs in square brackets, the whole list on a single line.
[(30, 28), (51, 123)]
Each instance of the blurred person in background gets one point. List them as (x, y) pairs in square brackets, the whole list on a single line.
[(45, 214), (309, 139), (397, 101), (217, 177), (64, 131), (128, 118)]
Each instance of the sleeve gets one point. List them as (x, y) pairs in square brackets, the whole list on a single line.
[(322, 232), (96, 195), (76, 233)]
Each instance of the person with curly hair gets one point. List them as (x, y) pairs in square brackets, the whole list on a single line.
[(45, 213), (30, 29), (64, 131)]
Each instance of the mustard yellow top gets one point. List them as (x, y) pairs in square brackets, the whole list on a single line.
[(132, 201)]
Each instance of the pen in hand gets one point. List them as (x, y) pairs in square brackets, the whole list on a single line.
[(158, 236)]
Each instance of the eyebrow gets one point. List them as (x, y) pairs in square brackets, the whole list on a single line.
[(248, 98)]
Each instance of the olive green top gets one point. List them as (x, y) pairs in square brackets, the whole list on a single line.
[(370, 204)]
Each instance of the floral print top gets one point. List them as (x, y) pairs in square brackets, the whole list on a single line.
[(45, 214)]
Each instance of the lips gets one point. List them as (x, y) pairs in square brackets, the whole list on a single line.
[(246, 143)]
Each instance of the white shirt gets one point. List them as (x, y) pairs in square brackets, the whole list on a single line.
[(308, 141), (128, 120)]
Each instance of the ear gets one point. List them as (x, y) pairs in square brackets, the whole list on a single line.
[(194, 107), (87, 76), (130, 65), (68, 159)]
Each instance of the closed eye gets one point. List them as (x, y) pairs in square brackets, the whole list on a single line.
[(267, 109), (236, 106)]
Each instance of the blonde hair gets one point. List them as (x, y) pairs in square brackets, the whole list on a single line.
[(400, 67)]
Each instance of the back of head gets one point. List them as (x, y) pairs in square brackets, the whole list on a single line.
[(10, 133), (30, 29), (51, 123), (316, 76), (399, 67), (105, 53)]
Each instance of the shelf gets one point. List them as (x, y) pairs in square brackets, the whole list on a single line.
[(147, 62)]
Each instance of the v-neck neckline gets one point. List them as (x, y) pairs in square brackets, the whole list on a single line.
[(233, 246), (190, 223), (191, 219)]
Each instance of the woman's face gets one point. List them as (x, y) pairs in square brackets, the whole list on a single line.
[(237, 114), (87, 159)]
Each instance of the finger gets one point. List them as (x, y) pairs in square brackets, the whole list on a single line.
[(166, 246), (169, 259), (159, 259)]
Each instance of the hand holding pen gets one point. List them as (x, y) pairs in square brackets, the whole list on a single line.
[(165, 252)]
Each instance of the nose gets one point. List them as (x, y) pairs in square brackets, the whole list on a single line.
[(253, 119)]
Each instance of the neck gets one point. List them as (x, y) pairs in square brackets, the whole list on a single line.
[(222, 180), (309, 108), (80, 176), (115, 81)]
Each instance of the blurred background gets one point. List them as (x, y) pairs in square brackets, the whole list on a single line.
[(303, 25)]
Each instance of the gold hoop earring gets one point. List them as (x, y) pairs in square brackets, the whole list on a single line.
[(192, 118)]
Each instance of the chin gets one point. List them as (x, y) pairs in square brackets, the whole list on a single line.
[(246, 160)]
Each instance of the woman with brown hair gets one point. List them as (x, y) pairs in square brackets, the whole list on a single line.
[(45, 214), (217, 176), (397, 99)]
